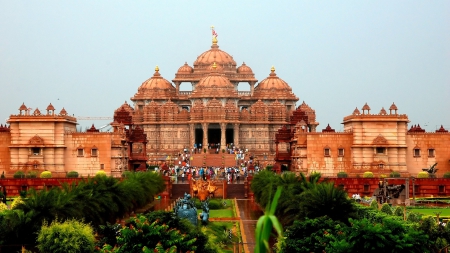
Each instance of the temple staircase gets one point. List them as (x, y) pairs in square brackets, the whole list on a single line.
[(235, 191), (218, 160)]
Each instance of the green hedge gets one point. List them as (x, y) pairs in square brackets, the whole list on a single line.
[(394, 174), (32, 174), (446, 175), (423, 174), (46, 174), (72, 174), (342, 174), (19, 174), (368, 174)]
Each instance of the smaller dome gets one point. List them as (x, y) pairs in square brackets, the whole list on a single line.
[(273, 82), (366, 107), (63, 112), (50, 107), (356, 111), (214, 80), (157, 82), (23, 107), (244, 69), (393, 107), (185, 69)]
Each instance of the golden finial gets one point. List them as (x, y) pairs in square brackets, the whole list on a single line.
[(214, 35), (272, 69), (214, 66), (156, 68)]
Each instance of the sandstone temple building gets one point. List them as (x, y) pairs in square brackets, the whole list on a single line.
[(163, 121)]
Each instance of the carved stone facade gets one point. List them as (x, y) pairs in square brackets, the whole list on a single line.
[(380, 143), (214, 114)]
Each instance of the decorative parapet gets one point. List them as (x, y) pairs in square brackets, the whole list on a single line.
[(401, 117)]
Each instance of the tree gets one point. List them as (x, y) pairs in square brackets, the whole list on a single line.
[(312, 235), (140, 234), (326, 200)]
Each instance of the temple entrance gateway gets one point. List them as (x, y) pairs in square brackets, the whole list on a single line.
[(214, 135), (229, 136), (199, 137)]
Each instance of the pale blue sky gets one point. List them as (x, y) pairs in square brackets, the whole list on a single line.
[(336, 55)]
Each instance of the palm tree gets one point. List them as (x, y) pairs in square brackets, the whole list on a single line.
[(326, 200)]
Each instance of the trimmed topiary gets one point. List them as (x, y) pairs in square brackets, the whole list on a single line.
[(46, 174), (368, 174), (72, 174), (32, 174), (69, 236), (413, 217), (398, 211), (19, 174), (446, 175), (423, 174), (386, 208), (100, 173), (374, 204), (394, 174), (342, 174), (269, 167)]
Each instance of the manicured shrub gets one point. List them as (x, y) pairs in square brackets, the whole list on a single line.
[(374, 204), (394, 174), (342, 174), (269, 167), (32, 174), (100, 173), (446, 175), (422, 174), (368, 174), (46, 174), (19, 174), (398, 211), (69, 236), (413, 217), (385, 208), (72, 174)]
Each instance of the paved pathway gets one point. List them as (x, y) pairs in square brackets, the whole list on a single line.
[(248, 213)]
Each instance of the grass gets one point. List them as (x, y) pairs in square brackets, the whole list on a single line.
[(444, 212), (219, 213)]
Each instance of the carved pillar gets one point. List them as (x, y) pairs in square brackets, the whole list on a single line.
[(223, 139), (177, 85), (205, 135), (236, 134), (191, 135), (252, 87)]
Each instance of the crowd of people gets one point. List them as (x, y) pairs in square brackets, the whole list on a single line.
[(231, 174), (182, 170)]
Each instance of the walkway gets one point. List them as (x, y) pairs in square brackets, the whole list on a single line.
[(248, 212)]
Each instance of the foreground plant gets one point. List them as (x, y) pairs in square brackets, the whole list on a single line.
[(266, 224)]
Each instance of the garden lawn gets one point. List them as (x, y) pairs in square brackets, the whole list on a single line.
[(219, 213), (444, 212)]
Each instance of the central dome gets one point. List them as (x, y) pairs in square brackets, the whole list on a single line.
[(214, 85), (215, 55)]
